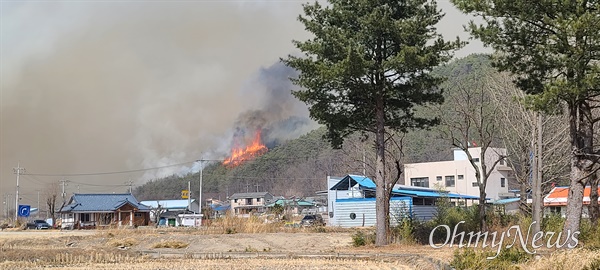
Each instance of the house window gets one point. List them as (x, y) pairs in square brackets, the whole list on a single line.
[(419, 182), (138, 215), (554, 209), (438, 178), (258, 199), (502, 162), (450, 180), (235, 201), (84, 217), (474, 184), (249, 201), (461, 177), (502, 182)]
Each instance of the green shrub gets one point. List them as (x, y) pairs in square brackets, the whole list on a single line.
[(594, 265), (472, 259), (404, 231), (589, 235), (361, 239), (552, 223)]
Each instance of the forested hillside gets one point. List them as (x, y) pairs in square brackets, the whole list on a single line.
[(299, 167)]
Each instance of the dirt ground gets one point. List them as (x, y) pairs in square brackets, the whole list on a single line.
[(297, 250)]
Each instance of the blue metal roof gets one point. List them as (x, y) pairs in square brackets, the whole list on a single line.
[(101, 203), (221, 207), (368, 184), (168, 204), (505, 201)]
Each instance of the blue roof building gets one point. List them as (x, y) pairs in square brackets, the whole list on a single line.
[(97, 210)]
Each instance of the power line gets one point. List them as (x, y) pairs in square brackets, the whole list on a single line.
[(106, 173)]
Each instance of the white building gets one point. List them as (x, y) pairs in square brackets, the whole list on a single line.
[(458, 175)]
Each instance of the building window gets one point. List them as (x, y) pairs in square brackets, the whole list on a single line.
[(85, 217), (474, 184), (450, 180), (419, 182), (502, 182), (502, 162), (138, 214), (438, 178), (235, 201), (249, 201), (476, 160), (258, 199), (461, 177), (554, 209)]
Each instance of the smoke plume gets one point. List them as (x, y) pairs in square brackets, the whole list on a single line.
[(105, 86)]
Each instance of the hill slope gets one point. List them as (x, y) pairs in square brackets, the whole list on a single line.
[(299, 167)]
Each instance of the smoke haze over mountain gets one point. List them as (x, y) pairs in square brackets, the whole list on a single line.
[(97, 86)]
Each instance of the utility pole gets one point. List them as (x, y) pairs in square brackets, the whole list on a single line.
[(63, 182), (247, 186), (38, 206), (256, 187), (200, 184), (189, 196), (5, 205), (131, 186), (18, 170)]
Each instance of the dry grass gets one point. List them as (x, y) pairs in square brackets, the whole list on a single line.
[(574, 259), (126, 242), (250, 263), (171, 244)]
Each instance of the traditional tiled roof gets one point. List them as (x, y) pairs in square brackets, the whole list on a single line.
[(101, 203)]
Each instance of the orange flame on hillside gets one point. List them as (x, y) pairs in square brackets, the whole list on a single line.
[(239, 154)]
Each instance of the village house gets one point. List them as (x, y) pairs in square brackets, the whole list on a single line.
[(458, 175), (85, 211), (294, 206), (244, 204), (556, 201), (351, 202), (159, 208)]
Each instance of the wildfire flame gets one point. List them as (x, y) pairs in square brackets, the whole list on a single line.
[(239, 155)]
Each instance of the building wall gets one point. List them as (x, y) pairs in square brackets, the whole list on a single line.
[(436, 173), (358, 212)]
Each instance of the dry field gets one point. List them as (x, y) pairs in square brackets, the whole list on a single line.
[(193, 249)]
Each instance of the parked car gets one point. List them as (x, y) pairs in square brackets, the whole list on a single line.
[(38, 224), (312, 220)]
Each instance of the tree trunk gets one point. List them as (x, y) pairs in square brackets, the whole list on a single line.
[(536, 186), (581, 141), (594, 208), (523, 198), (482, 219), (382, 199)]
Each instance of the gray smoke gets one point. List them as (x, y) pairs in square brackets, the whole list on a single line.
[(107, 86)]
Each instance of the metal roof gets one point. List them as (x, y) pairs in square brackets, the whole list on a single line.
[(506, 201), (249, 195), (291, 202), (168, 204), (101, 203), (368, 184)]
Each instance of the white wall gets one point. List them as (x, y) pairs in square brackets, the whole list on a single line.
[(461, 166)]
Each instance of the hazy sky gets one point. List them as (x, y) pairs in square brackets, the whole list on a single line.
[(104, 86)]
